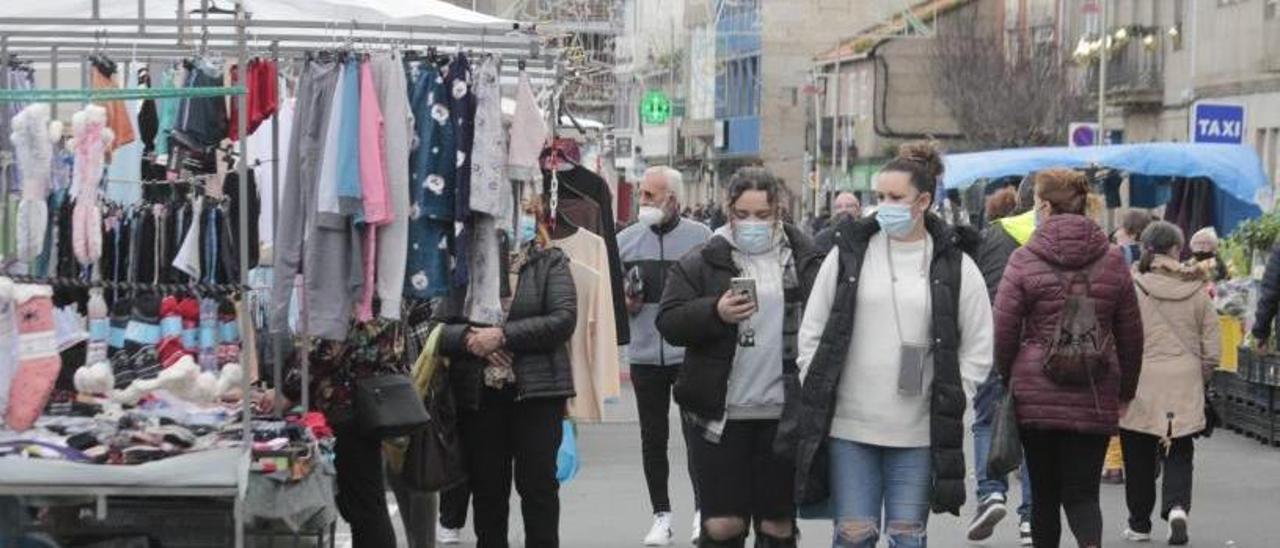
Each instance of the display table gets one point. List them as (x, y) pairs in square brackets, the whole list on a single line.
[(218, 473)]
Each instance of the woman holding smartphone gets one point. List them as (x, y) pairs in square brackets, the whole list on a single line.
[(739, 350)]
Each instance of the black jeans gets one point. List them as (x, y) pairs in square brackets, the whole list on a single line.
[(527, 433), (653, 385), (1143, 459), (453, 506), (1064, 476), (362, 488)]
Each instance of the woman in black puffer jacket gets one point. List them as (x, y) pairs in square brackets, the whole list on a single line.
[(511, 383)]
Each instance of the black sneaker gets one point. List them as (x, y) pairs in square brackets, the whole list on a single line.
[(1024, 533), (990, 512)]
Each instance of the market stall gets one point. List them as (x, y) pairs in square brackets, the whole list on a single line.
[(179, 423)]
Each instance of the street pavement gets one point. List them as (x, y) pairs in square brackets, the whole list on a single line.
[(1237, 496)]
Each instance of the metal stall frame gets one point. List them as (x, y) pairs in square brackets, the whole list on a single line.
[(515, 42)]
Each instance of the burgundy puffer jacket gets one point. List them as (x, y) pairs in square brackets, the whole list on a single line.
[(1028, 305)]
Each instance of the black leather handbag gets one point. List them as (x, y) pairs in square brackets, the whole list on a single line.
[(433, 460), (387, 406)]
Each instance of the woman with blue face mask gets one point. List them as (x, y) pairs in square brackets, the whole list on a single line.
[(510, 383), (896, 335), (739, 355)]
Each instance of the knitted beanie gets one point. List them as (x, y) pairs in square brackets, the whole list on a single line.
[(144, 323)]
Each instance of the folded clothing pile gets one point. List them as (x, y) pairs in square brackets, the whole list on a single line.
[(116, 438)]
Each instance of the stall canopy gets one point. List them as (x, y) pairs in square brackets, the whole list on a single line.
[(424, 12), (1235, 170)]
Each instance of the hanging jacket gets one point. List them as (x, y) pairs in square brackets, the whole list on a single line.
[(1181, 349), (1027, 310), (540, 322), (806, 424), (688, 318)]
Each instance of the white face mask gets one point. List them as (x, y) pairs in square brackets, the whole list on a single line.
[(650, 216)]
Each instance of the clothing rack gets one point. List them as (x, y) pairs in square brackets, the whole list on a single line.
[(52, 39), (77, 283), (91, 95), (237, 491)]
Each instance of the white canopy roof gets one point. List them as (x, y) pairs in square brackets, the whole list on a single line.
[(425, 12)]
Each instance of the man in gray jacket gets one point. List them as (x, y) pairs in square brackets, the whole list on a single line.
[(648, 248)]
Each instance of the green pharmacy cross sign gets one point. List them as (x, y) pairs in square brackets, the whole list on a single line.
[(655, 108)]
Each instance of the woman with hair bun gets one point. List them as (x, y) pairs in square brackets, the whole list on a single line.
[(1069, 345), (896, 336)]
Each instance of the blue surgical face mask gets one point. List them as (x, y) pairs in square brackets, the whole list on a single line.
[(753, 236), (528, 229), (895, 219)]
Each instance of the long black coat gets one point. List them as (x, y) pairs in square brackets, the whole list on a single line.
[(806, 422), (539, 325)]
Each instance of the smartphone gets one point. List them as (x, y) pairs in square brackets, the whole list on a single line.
[(745, 287)]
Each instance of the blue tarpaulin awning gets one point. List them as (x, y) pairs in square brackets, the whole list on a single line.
[(1235, 170)]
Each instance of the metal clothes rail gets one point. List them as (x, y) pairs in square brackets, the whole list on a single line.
[(237, 492), (84, 95)]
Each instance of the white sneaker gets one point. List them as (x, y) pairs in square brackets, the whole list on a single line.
[(697, 528), (1178, 527), (444, 535), (660, 534), (1134, 536)]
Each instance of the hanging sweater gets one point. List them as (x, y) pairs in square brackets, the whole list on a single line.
[(869, 408), (393, 239)]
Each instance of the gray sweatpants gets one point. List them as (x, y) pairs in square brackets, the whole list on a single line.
[(329, 258)]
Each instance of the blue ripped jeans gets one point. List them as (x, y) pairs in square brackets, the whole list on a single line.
[(875, 489)]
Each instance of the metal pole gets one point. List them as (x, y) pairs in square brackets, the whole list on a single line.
[(97, 12), (844, 129), (6, 158), (142, 15), (84, 78), (671, 93), (835, 127), (182, 22), (53, 79), (243, 171), (817, 139), (277, 367), (1102, 75)]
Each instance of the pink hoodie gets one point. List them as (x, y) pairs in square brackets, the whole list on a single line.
[(373, 168), (373, 184)]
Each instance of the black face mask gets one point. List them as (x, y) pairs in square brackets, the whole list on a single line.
[(1203, 255)]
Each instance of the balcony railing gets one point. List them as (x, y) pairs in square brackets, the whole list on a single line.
[(1135, 74)]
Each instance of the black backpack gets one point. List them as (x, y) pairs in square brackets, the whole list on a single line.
[(1078, 353)]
